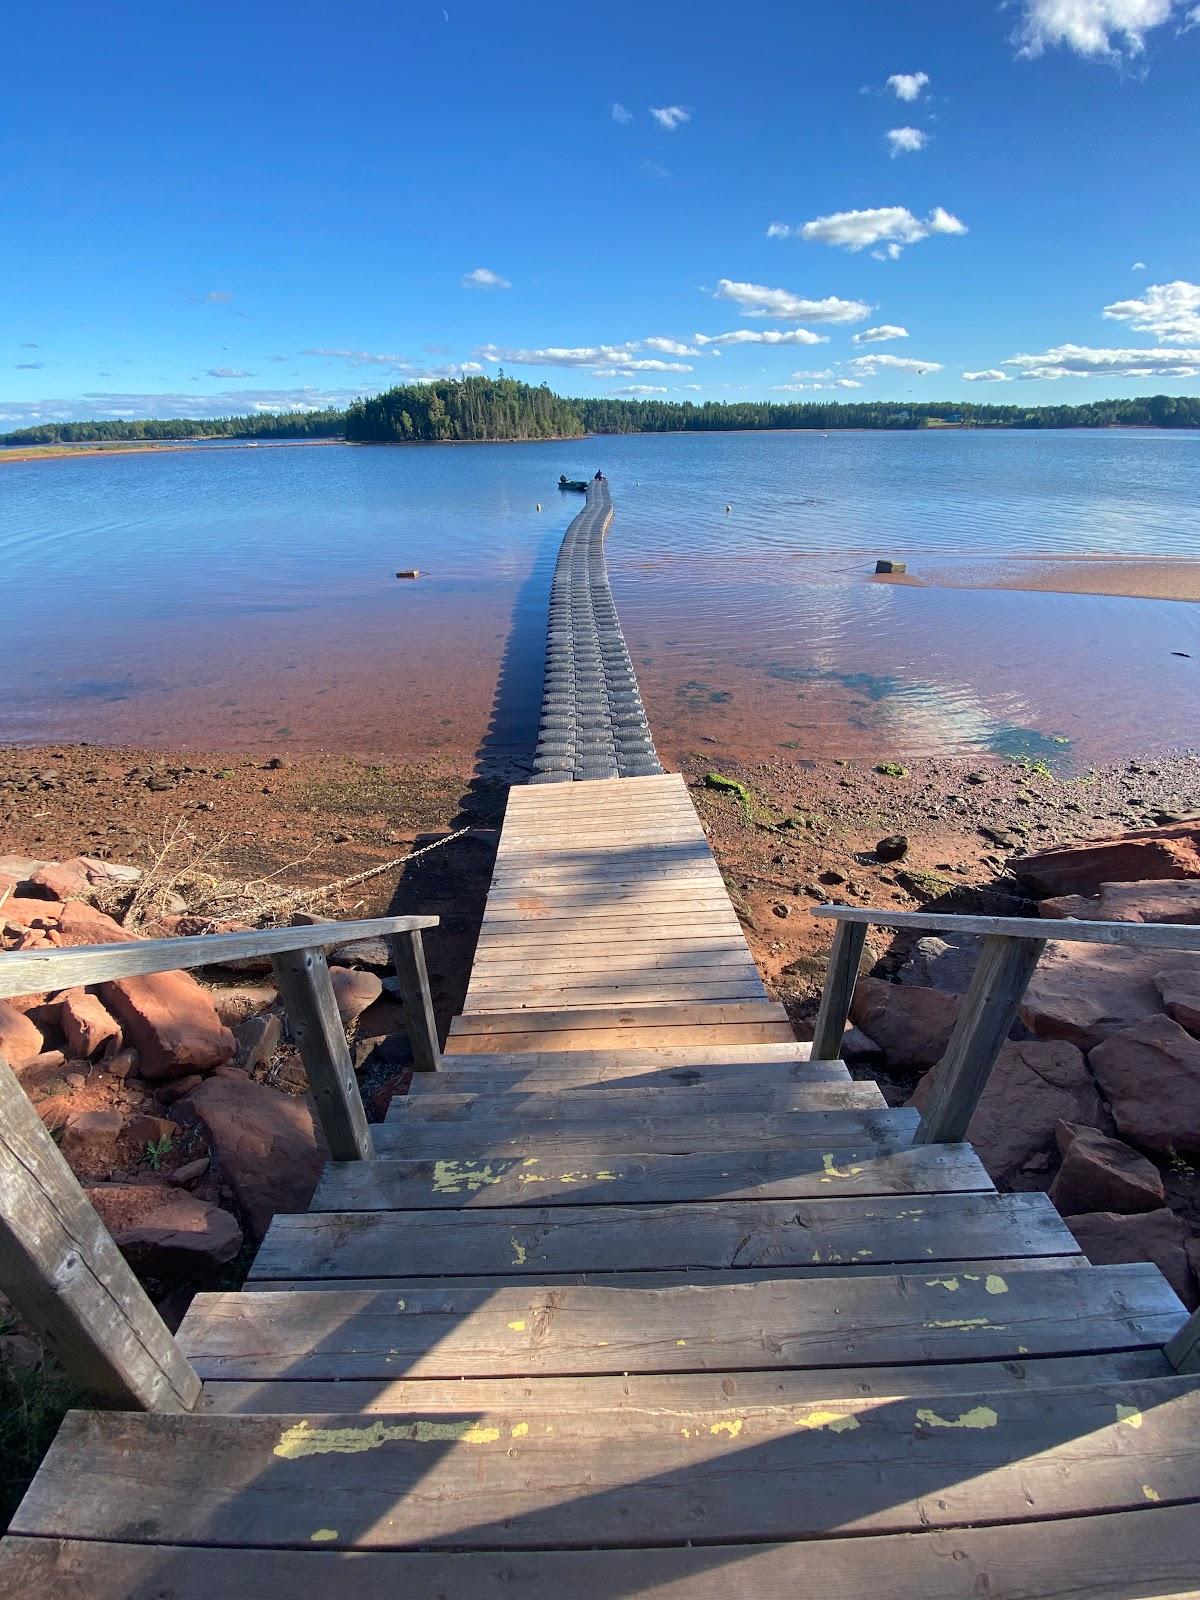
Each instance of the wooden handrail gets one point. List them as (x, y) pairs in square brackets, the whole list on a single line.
[(1147, 935), (35, 971)]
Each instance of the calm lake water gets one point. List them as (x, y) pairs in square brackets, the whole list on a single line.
[(222, 597)]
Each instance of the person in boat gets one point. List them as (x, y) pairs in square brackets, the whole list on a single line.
[(562, 478), (599, 476)]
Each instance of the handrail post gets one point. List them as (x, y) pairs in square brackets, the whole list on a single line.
[(989, 1009), (62, 1271), (311, 1006), (1183, 1348), (408, 956), (840, 978)]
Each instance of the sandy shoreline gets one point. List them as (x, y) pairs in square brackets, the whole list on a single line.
[(1122, 577)]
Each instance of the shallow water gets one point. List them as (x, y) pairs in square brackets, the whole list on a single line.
[(226, 597)]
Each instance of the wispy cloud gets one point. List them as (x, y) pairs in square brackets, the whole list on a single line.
[(769, 336), (356, 358), (670, 117), (669, 347), (1084, 361), (603, 360), (655, 170), (903, 140), (620, 114), (1104, 30), (30, 366), (28, 344), (227, 372), (885, 330), (988, 375), (816, 388), (103, 405), (627, 368), (757, 300), (1170, 311), (907, 85), (891, 227), (483, 278), (1138, 266), (871, 364), (641, 389)]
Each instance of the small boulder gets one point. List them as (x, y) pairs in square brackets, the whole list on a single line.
[(354, 992), (81, 924), (1150, 1074), (23, 911), (164, 1231), (1177, 901), (1034, 1085), (1102, 1174), (1085, 992), (234, 1003), (145, 1129), (89, 1140), (912, 1025), (265, 1144), (87, 1025), (893, 848), (1109, 1237), (938, 964), (257, 1039), (1179, 987), (1135, 857), (1079, 906), (172, 1022), (62, 880), (859, 1051), (189, 1172), (362, 953), (20, 1040)]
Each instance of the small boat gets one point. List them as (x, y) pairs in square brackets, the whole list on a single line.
[(573, 483)]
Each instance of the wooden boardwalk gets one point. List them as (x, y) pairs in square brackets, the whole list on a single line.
[(636, 1300)]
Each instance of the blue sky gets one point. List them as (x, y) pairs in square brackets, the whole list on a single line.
[(231, 207)]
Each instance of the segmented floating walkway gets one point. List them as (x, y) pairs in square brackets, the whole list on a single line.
[(636, 1300)]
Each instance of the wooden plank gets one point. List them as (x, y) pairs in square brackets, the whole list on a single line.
[(893, 1227), (612, 958), (667, 1015), (640, 1179), (759, 1089), (673, 929), (624, 1063), (308, 997), (488, 982), (706, 1390), (32, 971), (607, 1038), (901, 1320), (1144, 935), (629, 994), (988, 1011), (1183, 1351), (840, 979), (608, 1103), (66, 1277), (1106, 1557), (408, 958)]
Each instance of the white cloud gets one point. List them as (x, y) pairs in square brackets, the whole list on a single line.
[(356, 358), (756, 300), (1138, 266), (988, 375), (670, 117), (643, 364), (30, 366), (885, 330), (815, 388), (227, 372), (620, 114), (871, 364), (669, 347), (110, 406), (693, 386), (906, 139), (1170, 311), (1100, 29), (483, 278), (763, 336), (1082, 361), (890, 226), (907, 85), (642, 388)]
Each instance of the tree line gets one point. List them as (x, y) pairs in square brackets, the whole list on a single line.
[(504, 408)]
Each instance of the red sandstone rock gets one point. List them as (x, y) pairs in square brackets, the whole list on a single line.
[(166, 1231), (912, 1025), (144, 1129), (1102, 1174), (1177, 901), (23, 911), (235, 1003), (20, 1039), (354, 992), (1079, 906), (1084, 992), (1179, 986), (62, 880), (87, 1025), (81, 924), (1150, 1075), (264, 1143), (1107, 1238), (171, 1021), (89, 1140), (1034, 1085), (1135, 857)]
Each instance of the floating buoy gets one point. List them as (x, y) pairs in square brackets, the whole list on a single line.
[(728, 509), (410, 572), (538, 506), (894, 567)]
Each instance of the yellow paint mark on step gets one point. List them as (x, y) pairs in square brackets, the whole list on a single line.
[(941, 1283), (978, 1417), (520, 1254), (679, 1343), (960, 1322), (733, 1427), (518, 1326), (835, 1421), (995, 1284), (832, 1170), (324, 1535), (302, 1439), (1151, 1494), (1130, 1416), (531, 1161), (452, 1177), (519, 1430)]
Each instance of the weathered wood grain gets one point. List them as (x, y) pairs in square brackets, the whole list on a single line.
[(1145, 935), (408, 958), (308, 997), (758, 1088), (575, 1104), (617, 1017), (840, 978)]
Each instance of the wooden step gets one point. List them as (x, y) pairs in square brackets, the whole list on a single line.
[(817, 1322), (666, 1015), (576, 1104), (758, 1235), (554, 1178), (628, 1063), (667, 1080), (600, 1028), (695, 987), (1105, 1557), (592, 1142)]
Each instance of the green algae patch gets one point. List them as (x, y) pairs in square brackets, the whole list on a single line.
[(730, 786), (892, 769)]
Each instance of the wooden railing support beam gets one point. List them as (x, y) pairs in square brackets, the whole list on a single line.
[(66, 1277), (989, 1009), (1183, 1350), (308, 998), (840, 978), (408, 956)]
